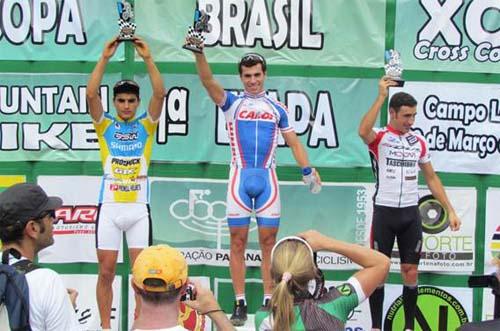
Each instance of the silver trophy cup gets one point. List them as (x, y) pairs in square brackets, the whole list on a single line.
[(126, 20), (393, 67), (195, 39)]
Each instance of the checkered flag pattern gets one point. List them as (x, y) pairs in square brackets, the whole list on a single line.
[(127, 29), (194, 40)]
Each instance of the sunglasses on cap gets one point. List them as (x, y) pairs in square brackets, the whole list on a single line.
[(252, 57), (126, 82), (51, 213)]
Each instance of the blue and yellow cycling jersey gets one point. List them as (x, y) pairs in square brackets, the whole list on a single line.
[(125, 154)]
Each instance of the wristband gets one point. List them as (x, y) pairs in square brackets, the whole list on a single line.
[(306, 171)]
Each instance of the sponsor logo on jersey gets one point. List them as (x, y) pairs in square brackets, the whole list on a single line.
[(401, 163), (412, 140), (255, 115), (126, 136)]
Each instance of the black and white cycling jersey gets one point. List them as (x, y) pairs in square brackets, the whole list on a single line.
[(395, 161)]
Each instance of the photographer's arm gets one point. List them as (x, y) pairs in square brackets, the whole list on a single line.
[(206, 304)]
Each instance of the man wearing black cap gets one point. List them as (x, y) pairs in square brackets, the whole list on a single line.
[(125, 143), (26, 222)]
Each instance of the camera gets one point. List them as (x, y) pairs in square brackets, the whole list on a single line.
[(189, 293)]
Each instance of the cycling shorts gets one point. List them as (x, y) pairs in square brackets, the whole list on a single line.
[(253, 189), (115, 218), (402, 223)]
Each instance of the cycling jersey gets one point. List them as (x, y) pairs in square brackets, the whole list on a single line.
[(253, 122), (395, 161), (125, 154), (330, 312)]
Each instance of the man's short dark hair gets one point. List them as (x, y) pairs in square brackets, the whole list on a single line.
[(401, 99), (157, 298), (126, 86), (251, 59)]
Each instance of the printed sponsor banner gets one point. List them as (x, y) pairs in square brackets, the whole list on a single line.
[(438, 308), (46, 118), (190, 214), (491, 247), (86, 308), (452, 35), (196, 210), (57, 30), (325, 113), (444, 250), (187, 316), (460, 122), (74, 228), (319, 32)]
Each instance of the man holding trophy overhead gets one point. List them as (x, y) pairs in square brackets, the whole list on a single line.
[(397, 155), (253, 121), (125, 142)]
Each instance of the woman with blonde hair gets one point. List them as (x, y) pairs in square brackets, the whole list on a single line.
[(294, 270)]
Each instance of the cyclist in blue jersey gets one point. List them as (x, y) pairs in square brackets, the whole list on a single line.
[(125, 143), (254, 121), (397, 155)]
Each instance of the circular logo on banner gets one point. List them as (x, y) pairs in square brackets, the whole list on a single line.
[(436, 310), (434, 216)]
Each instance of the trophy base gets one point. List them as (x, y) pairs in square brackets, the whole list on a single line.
[(400, 82), (126, 38), (193, 48)]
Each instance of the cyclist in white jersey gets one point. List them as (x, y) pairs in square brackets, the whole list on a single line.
[(254, 121), (397, 154), (125, 143)]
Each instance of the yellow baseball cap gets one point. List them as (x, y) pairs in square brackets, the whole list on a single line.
[(160, 262)]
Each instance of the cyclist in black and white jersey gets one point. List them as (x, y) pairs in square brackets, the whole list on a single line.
[(397, 155)]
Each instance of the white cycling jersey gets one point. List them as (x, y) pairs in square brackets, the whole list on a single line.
[(395, 161)]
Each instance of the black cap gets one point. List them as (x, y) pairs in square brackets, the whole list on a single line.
[(22, 202), (126, 86)]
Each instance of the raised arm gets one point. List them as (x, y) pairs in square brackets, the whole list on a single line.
[(214, 89), (437, 190), (92, 93), (156, 103), (367, 123), (375, 264)]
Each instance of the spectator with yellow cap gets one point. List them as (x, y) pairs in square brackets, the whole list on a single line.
[(160, 278)]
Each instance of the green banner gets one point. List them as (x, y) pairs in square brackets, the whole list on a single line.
[(191, 214), (461, 36), (193, 129), (45, 117), (57, 30), (307, 32)]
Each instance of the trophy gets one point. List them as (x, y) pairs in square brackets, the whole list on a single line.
[(393, 67), (195, 39), (125, 22)]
